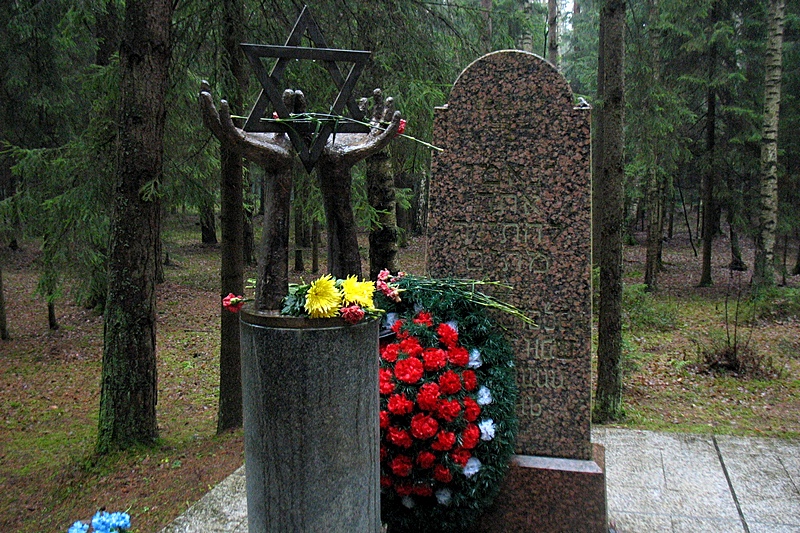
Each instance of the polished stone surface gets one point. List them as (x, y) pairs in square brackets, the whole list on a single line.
[(656, 482), (311, 437)]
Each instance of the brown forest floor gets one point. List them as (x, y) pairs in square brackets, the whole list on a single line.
[(49, 386)]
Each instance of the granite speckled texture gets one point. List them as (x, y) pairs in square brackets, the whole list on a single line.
[(510, 201), (550, 495), (311, 436)]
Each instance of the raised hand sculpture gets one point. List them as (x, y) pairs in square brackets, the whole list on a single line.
[(334, 167), (274, 152)]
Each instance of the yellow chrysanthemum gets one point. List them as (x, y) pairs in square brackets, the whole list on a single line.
[(323, 298), (358, 292)]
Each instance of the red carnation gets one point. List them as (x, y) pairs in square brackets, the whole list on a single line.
[(410, 370), (396, 329), (470, 436), (401, 465), (448, 410), (398, 404), (458, 355), (469, 379), (386, 482), (426, 460), (434, 359), (460, 456), (423, 426), (444, 441), (424, 319), (411, 346), (399, 437), (428, 397), (403, 489), (401, 128), (232, 302), (384, 417), (352, 314), (449, 382), (384, 453), (447, 335), (385, 383), (389, 352), (422, 490), (471, 409), (442, 474)]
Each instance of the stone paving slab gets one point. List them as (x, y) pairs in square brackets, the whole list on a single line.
[(222, 510), (764, 474), (656, 482)]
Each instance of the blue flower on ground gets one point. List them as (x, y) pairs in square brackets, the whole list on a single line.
[(120, 520), (78, 527), (101, 522), (104, 522)]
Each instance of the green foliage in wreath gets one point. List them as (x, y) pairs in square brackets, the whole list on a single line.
[(448, 396)]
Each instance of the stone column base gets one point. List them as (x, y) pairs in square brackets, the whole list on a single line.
[(550, 495)]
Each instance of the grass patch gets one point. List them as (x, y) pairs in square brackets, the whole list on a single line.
[(642, 311)]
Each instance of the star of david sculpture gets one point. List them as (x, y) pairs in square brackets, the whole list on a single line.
[(331, 144)]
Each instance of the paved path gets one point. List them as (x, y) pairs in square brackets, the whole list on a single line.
[(656, 482)]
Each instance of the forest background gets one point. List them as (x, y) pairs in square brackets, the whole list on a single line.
[(694, 87)]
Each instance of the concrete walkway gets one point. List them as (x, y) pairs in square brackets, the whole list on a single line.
[(656, 482)]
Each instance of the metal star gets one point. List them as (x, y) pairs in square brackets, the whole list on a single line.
[(301, 132)]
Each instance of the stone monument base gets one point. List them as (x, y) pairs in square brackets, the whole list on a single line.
[(550, 495)]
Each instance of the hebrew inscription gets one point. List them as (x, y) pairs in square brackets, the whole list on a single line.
[(510, 202)]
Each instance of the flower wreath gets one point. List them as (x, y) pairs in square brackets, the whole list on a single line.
[(447, 395)]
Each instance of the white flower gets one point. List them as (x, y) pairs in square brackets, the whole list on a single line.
[(443, 496), (472, 466), (453, 324), (475, 360), (390, 319), (487, 428), (407, 501), (484, 396)]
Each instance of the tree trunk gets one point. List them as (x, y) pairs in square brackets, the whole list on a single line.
[(106, 31), (128, 383), (248, 237), (3, 325), (273, 265), (486, 6), (655, 192), (608, 397), (671, 212), (380, 190), (343, 255), (232, 220), (736, 251), (796, 269), (299, 266), (52, 322), (784, 269), (208, 224), (597, 143), (315, 238), (404, 217), (764, 265), (552, 31), (229, 414), (710, 177), (655, 229)]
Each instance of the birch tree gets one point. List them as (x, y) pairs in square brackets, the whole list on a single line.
[(764, 264)]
